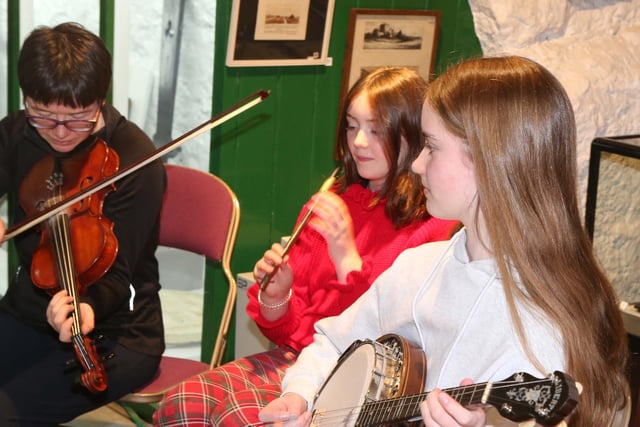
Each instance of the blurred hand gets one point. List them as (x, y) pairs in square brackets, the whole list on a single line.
[(289, 410), (332, 220), (2, 229)]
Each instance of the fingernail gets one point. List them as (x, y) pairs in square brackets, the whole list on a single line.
[(287, 417)]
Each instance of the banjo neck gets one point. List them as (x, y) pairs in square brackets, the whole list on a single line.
[(505, 395)]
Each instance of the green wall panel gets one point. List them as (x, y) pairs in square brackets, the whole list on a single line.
[(278, 153)]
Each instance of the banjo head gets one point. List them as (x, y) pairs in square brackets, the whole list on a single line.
[(367, 371), (344, 392)]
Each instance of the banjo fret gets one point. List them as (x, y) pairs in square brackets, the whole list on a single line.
[(385, 411)]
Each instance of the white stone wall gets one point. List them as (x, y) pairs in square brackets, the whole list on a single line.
[(593, 47)]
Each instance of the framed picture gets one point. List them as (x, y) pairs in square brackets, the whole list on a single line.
[(279, 32), (379, 37)]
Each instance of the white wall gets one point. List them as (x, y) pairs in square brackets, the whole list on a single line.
[(593, 47), (195, 74)]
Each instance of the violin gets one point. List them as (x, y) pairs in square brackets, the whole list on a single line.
[(77, 246)]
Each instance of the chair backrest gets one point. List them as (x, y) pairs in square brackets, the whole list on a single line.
[(201, 214)]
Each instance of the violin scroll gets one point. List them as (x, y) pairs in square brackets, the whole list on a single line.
[(94, 377)]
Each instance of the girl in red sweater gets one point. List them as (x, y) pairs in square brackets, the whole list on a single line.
[(373, 212)]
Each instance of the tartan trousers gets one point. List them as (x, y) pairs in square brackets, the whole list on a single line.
[(230, 395)]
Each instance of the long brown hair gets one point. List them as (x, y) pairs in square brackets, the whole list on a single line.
[(395, 95), (519, 127)]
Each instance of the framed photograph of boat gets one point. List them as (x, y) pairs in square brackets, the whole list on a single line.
[(279, 32), (380, 37)]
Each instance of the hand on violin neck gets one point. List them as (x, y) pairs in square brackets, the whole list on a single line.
[(60, 315)]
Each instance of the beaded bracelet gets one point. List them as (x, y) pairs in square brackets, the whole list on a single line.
[(275, 306)]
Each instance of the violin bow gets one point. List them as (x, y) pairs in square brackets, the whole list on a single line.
[(231, 112), (326, 185)]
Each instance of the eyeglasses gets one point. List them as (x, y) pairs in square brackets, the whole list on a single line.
[(73, 125)]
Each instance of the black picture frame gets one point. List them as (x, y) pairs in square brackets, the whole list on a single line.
[(281, 36), (613, 209)]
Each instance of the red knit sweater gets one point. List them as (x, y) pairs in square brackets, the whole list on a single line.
[(316, 291)]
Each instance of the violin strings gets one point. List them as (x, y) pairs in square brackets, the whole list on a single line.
[(60, 235)]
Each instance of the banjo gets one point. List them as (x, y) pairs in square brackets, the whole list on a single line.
[(381, 383)]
